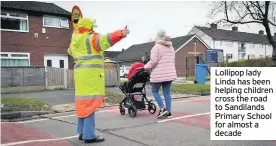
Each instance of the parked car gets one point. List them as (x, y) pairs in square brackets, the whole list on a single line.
[(124, 71)]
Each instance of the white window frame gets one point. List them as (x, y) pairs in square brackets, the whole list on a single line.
[(11, 57), (228, 56), (242, 53), (13, 17), (251, 45), (59, 19), (240, 47), (252, 56)]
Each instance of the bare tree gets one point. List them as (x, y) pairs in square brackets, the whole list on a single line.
[(246, 12)]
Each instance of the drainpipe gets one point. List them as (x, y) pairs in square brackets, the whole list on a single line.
[(214, 43), (265, 51)]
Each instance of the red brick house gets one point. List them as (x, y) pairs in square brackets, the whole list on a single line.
[(185, 56), (35, 34)]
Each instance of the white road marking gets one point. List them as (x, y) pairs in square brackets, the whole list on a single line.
[(64, 138), (37, 120), (61, 113), (182, 117), (66, 116), (58, 117), (38, 140), (7, 122)]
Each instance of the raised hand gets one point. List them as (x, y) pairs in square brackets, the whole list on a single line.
[(126, 31)]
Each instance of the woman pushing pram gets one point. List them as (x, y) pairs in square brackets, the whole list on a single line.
[(161, 64), (135, 92)]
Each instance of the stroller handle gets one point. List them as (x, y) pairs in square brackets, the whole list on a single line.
[(141, 69)]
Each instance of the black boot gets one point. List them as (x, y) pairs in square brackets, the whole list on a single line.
[(95, 140), (80, 137)]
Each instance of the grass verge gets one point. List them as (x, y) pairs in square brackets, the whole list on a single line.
[(195, 89), (192, 89), (113, 98), (123, 80), (193, 78), (23, 104)]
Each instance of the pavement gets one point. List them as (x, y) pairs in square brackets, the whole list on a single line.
[(190, 126), (60, 96), (65, 96), (64, 100)]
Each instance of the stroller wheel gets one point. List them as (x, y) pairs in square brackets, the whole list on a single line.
[(122, 110), (152, 108), (132, 111)]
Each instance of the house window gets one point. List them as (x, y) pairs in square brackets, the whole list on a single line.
[(241, 48), (15, 59), (14, 22), (61, 63), (51, 21), (241, 51), (261, 46), (4, 55), (49, 63), (241, 56), (229, 56), (252, 45), (251, 56)]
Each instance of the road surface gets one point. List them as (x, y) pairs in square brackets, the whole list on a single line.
[(189, 126)]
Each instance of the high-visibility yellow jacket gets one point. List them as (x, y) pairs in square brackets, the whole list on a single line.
[(87, 50)]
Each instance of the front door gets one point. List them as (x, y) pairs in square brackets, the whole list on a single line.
[(191, 62), (57, 61)]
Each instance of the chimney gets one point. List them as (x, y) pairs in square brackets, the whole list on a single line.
[(234, 28), (214, 26), (261, 32)]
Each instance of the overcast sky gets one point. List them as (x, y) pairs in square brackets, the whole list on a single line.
[(144, 18)]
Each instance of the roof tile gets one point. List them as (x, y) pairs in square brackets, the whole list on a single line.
[(135, 52), (222, 34), (35, 7)]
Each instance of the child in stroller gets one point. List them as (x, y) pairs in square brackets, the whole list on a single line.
[(135, 91)]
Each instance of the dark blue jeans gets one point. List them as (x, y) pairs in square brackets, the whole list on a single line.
[(166, 86)]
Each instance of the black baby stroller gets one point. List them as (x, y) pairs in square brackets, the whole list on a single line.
[(135, 91)]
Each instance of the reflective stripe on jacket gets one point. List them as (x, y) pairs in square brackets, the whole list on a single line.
[(87, 50)]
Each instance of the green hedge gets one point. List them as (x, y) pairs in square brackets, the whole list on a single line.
[(260, 62), (112, 97), (193, 78), (195, 89)]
